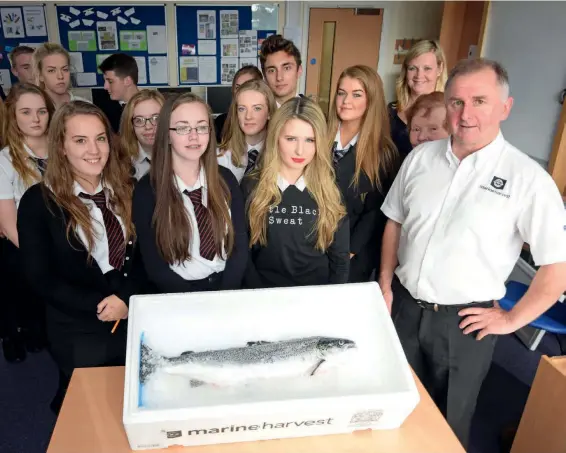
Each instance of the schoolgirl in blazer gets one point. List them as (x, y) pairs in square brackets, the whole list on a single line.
[(366, 162), (244, 140), (298, 226), (78, 242), (188, 211)]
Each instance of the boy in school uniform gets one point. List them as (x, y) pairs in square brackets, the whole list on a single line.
[(282, 67), (121, 81), (22, 67)]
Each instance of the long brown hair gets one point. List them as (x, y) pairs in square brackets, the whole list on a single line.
[(13, 137), (234, 138), (172, 226), (319, 176), (375, 151), (59, 177), (128, 140)]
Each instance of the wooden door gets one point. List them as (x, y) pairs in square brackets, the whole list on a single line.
[(339, 38), (463, 29), (557, 164)]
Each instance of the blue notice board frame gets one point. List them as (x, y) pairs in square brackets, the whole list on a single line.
[(188, 39), (142, 17), (7, 44)]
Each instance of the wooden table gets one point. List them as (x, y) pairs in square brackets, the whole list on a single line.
[(91, 422)]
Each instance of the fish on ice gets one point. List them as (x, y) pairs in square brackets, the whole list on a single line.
[(256, 360)]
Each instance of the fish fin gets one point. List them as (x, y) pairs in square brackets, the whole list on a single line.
[(148, 360), (254, 343), (317, 366), (187, 353), (197, 383)]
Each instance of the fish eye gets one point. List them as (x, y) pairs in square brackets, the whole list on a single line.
[(341, 343)]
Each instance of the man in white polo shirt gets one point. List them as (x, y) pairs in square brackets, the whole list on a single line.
[(459, 212)]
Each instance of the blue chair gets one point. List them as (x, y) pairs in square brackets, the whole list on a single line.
[(553, 320)]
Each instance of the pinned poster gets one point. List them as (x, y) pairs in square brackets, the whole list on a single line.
[(82, 41), (142, 70), (133, 40), (75, 11), (229, 67), (158, 70), (12, 22), (206, 47), (122, 20), (99, 59), (229, 47), (207, 70), (188, 69), (86, 79), (130, 11), (5, 80), (248, 43), (88, 22), (229, 24), (107, 35), (248, 62), (75, 23), (101, 15), (34, 20), (76, 62), (206, 24), (156, 39)]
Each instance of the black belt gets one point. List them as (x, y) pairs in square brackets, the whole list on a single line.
[(452, 308)]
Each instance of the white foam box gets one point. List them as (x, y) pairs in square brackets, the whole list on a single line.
[(376, 390)]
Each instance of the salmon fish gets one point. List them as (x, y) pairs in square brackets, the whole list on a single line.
[(256, 360)]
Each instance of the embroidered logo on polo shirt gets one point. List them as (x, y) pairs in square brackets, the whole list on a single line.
[(498, 183)]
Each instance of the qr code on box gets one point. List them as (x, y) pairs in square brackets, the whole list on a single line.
[(366, 417)]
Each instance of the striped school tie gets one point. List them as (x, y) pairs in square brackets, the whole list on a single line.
[(252, 158), (40, 164), (207, 247), (338, 153), (114, 233)]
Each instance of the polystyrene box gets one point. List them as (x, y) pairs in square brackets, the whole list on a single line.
[(373, 390)]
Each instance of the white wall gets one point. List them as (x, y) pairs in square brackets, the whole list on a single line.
[(402, 19), (529, 39)]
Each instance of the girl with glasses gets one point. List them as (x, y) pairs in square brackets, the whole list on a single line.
[(78, 242), (22, 163), (188, 211), (138, 126), (251, 109), (297, 224)]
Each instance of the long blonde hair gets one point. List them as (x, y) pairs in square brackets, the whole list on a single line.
[(172, 226), (375, 152), (13, 137), (59, 177), (39, 54), (2, 122), (234, 139), (318, 174), (128, 140), (420, 48)]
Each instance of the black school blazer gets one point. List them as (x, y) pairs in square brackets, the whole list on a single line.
[(59, 269), (363, 203)]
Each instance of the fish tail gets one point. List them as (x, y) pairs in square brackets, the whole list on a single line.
[(148, 362)]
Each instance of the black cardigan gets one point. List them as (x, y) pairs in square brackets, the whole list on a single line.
[(399, 131), (60, 271), (363, 203), (158, 270)]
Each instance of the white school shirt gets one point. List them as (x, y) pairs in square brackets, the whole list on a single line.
[(464, 223), (197, 267), (141, 163), (78, 98), (351, 143), (283, 184), (12, 186), (279, 105), (226, 160), (99, 252)]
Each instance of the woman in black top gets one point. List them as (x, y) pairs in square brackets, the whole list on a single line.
[(366, 162), (245, 73), (188, 211), (422, 72), (297, 224), (78, 243)]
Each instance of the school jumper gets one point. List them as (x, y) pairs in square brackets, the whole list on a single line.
[(363, 202), (205, 270), (290, 258), (399, 131), (72, 283)]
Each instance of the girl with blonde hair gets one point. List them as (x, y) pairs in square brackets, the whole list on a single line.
[(22, 162), (52, 72), (253, 105), (78, 243), (189, 211), (422, 72), (365, 159), (297, 224), (138, 127)]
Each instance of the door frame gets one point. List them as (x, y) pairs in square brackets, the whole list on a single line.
[(385, 6)]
